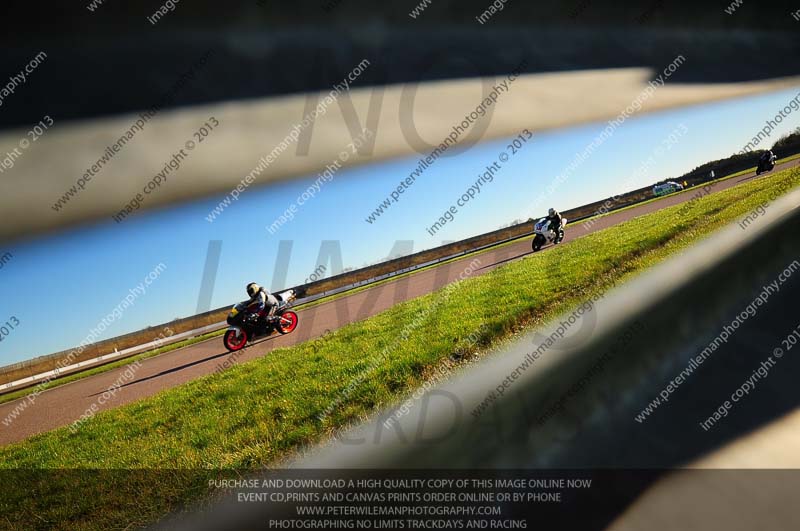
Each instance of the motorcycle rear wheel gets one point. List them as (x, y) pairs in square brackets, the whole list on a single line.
[(287, 322)]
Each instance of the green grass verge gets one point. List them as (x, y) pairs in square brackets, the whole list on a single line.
[(260, 412)]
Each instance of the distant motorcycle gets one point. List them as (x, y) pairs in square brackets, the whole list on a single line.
[(246, 325), (544, 234), (766, 164)]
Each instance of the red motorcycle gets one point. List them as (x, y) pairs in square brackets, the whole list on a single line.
[(246, 325)]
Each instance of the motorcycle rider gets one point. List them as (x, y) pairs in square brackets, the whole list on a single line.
[(261, 299), (555, 219), (766, 158)]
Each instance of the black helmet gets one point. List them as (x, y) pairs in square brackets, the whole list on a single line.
[(252, 289)]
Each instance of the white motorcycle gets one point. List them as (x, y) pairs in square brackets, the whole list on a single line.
[(542, 233)]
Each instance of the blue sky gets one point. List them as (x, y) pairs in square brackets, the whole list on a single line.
[(60, 287)]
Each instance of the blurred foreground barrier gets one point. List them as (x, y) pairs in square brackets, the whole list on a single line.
[(55, 189)]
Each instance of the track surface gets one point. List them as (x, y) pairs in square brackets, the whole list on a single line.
[(64, 404)]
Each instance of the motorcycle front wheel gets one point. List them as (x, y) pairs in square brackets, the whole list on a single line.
[(233, 342), (538, 241)]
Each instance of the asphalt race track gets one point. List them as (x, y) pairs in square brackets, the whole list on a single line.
[(64, 404)]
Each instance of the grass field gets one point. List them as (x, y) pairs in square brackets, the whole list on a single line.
[(260, 412)]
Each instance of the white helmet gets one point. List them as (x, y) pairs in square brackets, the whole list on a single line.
[(252, 289)]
